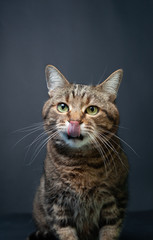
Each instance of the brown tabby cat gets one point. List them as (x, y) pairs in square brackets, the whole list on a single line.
[(83, 190)]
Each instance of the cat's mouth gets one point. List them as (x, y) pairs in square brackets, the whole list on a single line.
[(75, 142), (73, 138), (68, 137)]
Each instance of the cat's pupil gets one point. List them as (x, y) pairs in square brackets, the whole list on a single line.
[(63, 106), (92, 109)]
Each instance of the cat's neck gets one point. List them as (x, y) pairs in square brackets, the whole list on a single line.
[(82, 166), (103, 151)]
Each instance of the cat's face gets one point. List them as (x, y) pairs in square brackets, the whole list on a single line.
[(79, 115)]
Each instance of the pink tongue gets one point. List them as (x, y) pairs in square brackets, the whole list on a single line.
[(73, 129)]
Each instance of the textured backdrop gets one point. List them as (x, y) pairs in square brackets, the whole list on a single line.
[(87, 40)]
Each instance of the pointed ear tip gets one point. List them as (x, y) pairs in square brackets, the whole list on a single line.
[(49, 66), (120, 71)]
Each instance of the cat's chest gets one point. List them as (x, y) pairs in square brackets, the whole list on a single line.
[(82, 195), (87, 209), (88, 194), (86, 214)]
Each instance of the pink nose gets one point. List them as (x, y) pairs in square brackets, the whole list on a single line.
[(73, 129)]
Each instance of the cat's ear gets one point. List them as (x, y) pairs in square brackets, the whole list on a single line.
[(54, 78), (112, 83)]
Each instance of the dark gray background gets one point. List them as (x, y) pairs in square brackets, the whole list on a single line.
[(87, 40)]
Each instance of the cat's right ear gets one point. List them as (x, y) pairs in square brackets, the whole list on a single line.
[(111, 84), (54, 78)]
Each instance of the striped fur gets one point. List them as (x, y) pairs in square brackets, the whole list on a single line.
[(83, 190)]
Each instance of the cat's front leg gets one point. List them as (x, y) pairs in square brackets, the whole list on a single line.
[(66, 233), (109, 233), (112, 217)]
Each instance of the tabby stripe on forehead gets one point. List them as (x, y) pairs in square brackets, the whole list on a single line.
[(83, 94), (67, 97), (88, 100), (73, 94)]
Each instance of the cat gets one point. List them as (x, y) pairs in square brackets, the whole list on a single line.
[(83, 190)]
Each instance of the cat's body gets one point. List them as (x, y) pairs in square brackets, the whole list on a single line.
[(82, 193)]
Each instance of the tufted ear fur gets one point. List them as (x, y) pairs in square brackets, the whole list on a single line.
[(54, 78), (112, 83)]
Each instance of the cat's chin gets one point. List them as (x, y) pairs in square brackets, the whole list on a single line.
[(75, 142)]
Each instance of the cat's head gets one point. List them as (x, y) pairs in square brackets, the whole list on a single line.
[(78, 115)]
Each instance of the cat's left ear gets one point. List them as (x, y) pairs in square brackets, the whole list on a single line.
[(54, 78), (112, 83)]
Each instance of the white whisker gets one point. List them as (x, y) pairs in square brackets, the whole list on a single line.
[(41, 146), (113, 134), (107, 147), (34, 126), (114, 150), (99, 149), (25, 137)]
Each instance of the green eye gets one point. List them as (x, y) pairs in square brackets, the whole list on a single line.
[(62, 107), (92, 110)]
